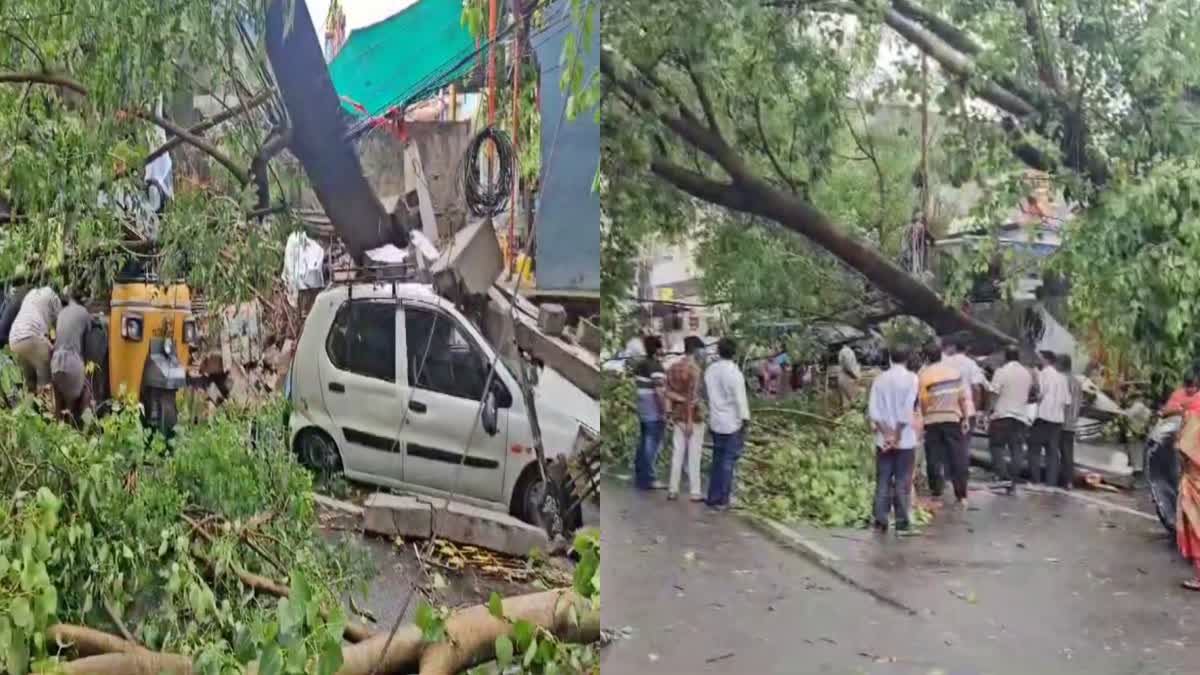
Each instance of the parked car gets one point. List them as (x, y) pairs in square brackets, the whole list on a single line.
[(388, 385)]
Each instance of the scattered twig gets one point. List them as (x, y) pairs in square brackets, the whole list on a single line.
[(801, 413), (116, 619), (361, 611)]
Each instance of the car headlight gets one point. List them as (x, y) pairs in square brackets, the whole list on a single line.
[(191, 336), (131, 328)]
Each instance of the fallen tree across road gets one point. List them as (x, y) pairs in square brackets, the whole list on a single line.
[(471, 634)]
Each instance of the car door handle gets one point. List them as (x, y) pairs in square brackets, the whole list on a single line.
[(338, 387), (417, 406)]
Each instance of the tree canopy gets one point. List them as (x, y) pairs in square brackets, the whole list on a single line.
[(82, 87), (743, 110)]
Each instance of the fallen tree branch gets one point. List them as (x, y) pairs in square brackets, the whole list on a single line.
[(86, 641), (116, 619), (473, 632), (205, 125), (197, 142), (52, 79), (801, 413), (748, 192), (353, 632), (139, 663), (469, 628)]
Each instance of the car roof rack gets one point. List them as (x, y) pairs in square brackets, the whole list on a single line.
[(405, 272)]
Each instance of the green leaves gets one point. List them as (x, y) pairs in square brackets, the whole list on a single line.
[(78, 537), (432, 622), (496, 605), (19, 613), (504, 651), (587, 570)]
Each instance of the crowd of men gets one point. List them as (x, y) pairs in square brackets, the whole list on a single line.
[(676, 394), (937, 401), (926, 402), (49, 360)]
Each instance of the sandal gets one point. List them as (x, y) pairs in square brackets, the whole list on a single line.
[(1192, 584)]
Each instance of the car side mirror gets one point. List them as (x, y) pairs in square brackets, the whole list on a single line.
[(488, 416)]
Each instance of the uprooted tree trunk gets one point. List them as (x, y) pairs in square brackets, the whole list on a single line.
[(750, 193), (472, 636)]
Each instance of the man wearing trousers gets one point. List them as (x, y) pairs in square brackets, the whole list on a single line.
[(945, 410), (1066, 477), (891, 408), (649, 379), (728, 420), (1011, 386), (684, 381), (29, 338), (1046, 435)]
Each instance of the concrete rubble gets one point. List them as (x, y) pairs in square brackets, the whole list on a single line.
[(419, 517), (250, 355)]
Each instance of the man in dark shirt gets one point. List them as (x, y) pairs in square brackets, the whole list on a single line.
[(67, 370), (12, 305), (650, 379)]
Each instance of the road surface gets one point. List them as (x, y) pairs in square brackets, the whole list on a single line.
[(1033, 584)]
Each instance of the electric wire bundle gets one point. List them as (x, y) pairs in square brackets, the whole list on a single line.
[(490, 199)]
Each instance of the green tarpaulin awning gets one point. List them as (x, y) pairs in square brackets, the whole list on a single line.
[(383, 64)]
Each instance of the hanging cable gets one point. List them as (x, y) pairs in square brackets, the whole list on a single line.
[(491, 199)]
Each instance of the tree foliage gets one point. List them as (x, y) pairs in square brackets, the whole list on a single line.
[(1099, 95), (112, 528), (80, 85)]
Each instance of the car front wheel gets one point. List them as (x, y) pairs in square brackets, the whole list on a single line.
[(539, 504), (318, 453)]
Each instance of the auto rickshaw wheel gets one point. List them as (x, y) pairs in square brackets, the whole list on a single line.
[(162, 412)]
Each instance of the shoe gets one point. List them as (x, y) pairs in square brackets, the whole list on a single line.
[(672, 496), (717, 507), (696, 498), (961, 503), (658, 485)]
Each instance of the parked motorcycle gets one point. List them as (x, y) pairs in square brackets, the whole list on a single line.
[(1163, 466)]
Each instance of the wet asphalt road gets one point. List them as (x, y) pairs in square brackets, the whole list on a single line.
[(1033, 584)]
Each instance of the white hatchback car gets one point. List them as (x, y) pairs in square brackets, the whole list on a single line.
[(387, 384)]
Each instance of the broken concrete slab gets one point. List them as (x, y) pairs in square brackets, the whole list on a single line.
[(392, 515), (489, 529), (337, 504), (552, 319), (406, 516)]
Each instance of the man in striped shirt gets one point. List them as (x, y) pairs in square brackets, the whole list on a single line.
[(946, 409)]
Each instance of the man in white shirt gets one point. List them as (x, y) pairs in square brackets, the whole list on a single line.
[(1011, 387), (892, 403), (1046, 435), (728, 420)]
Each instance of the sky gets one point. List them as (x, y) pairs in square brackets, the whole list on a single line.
[(359, 13)]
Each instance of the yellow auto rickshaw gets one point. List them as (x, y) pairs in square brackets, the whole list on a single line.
[(151, 332)]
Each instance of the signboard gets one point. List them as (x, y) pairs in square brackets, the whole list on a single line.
[(568, 214)]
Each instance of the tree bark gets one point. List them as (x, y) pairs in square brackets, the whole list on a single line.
[(474, 631), (761, 198)]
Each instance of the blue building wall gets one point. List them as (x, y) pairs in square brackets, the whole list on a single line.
[(568, 216)]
